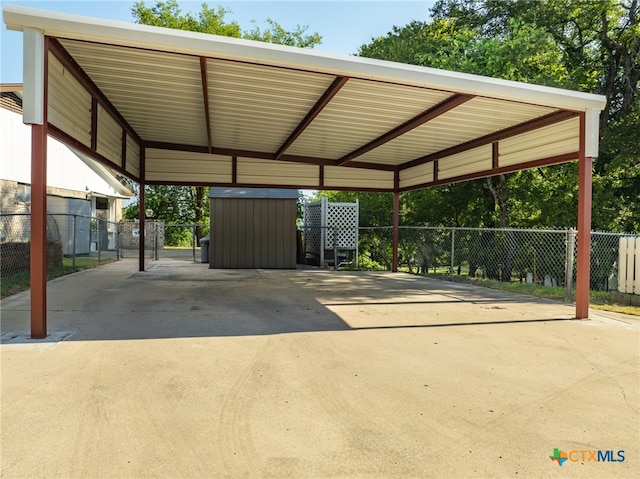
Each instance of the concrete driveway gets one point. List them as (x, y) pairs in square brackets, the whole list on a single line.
[(187, 372)]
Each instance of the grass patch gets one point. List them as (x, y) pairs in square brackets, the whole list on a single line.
[(15, 283), (597, 299)]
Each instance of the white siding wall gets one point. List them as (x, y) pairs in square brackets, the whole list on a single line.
[(64, 168)]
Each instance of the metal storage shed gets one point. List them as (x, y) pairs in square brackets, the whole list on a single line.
[(168, 106), (253, 228)]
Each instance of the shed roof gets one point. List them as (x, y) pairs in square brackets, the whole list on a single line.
[(253, 193), (173, 107)]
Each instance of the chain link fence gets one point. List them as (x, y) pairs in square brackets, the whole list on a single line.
[(164, 241), (73, 241), (538, 256)]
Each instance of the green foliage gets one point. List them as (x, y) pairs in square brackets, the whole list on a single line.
[(172, 204), (275, 33), (582, 45), (178, 237), (620, 183), (168, 14), (376, 209), (212, 20)]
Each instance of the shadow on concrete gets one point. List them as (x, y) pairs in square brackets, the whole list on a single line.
[(183, 300)]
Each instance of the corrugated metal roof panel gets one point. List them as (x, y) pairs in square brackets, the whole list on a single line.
[(256, 108), (133, 157), (471, 120), (258, 93), (109, 138), (416, 175), (270, 172), (110, 32), (546, 142), (356, 178), (163, 99), (361, 112), (471, 161), (254, 193), (69, 103), (180, 166)]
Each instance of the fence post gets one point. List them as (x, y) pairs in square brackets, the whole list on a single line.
[(357, 246), (155, 240), (569, 261), (193, 241), (73, 243), (335, 248), (98, 238), (118, 241), (453, 247)]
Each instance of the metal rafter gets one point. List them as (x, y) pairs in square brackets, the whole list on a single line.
[(205, 99), (323, 101), (68, 140), (433, 112), (525, 127), (552, 160), (259, 155), (79, 74)]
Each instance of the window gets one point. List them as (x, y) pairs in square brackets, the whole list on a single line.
[(102, 203), (23, 193)]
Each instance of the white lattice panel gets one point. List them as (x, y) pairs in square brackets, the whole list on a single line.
[(313, 222), (325, 221), (342, 222)]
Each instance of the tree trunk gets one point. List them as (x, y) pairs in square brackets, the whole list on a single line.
[(500, 191), (199, 212)]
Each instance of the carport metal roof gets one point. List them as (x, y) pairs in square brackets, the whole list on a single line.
[(168, 106)]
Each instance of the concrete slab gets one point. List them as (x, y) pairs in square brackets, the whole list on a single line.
[(183, 371)]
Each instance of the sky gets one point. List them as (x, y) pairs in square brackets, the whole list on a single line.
[(343, 25)]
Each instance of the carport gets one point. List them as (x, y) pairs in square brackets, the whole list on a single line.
[(165, 106)]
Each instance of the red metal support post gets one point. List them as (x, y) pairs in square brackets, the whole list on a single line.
[(396, 230), (38, 266), (584, 227), (141, 207), (141, 216), (584, 238), (35, 74)]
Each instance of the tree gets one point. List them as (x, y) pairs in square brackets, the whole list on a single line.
[(522, 53), (376, 209), (584, 45), (212, 20), (176, 204), (599, 40)]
